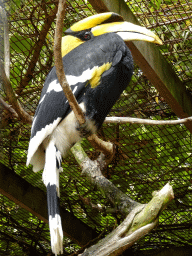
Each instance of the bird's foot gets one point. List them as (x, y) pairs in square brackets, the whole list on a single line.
[(86, 129)]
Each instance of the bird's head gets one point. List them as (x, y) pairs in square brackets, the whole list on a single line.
[(103, 23)]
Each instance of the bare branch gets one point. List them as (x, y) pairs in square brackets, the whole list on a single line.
[(132, 120), (8, 107), (23, 115), (105, 147), (92, 170)]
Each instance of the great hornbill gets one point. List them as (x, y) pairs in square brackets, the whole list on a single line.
[(98, 67)]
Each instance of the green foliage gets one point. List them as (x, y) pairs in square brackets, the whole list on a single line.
[(20, 45)]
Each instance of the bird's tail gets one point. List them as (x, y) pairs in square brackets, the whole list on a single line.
[(51, 181)]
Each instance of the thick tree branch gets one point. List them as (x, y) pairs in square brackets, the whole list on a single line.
[(132, 120), (141, 218), (105, 147), (92, 170), (137, 224)]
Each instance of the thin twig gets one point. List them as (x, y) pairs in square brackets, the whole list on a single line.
[(59, 64), (132, 120), (105, 147)]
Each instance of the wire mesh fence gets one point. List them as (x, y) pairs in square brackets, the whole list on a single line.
[(147, 156)]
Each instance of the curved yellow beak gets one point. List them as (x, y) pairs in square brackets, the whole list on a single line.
[(127, 31)]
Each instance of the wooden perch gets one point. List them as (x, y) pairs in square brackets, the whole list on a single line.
[(141, 218), (106, 147)]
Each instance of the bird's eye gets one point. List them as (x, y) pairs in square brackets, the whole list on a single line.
[(87, 36)]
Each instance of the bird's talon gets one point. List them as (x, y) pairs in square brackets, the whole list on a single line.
[(84, 130)]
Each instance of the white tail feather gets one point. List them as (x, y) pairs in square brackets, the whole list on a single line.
[(51, 178), (56, 232), (50, 170)]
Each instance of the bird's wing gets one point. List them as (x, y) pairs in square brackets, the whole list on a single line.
[(83, 68), (52, 108)]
